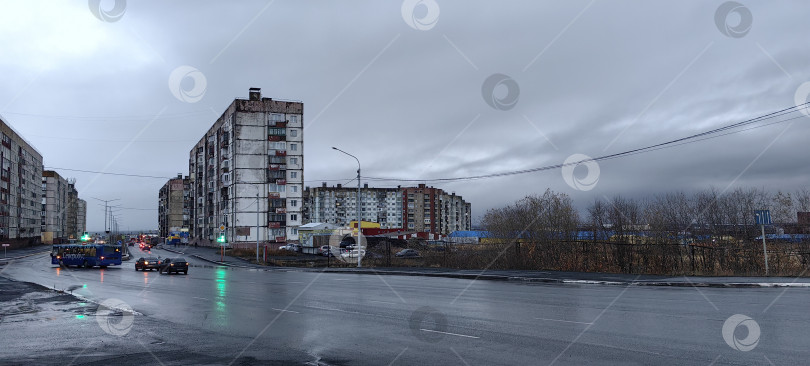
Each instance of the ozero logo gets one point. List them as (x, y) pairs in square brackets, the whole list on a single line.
[(420, 14), (428, 324), (580, 184), (73, 256), (115, 317), (736, 29), (503, 102), (800, 98), (197, 90), (732, 328), (109, 16)]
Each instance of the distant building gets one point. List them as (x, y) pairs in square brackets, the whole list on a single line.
[(72, 220), (20, 188), (81, 216), (253, 152), (173, 205), (338, 205), (55, 207), (419, 209)]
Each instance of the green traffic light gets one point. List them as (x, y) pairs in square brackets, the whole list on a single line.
[(221, 239)]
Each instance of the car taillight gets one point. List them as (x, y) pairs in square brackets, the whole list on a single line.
[(145, 262)]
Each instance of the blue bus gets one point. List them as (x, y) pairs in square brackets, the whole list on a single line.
[(86, 255)]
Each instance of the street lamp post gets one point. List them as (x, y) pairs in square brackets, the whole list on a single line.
[(257, 225), (359, 230)]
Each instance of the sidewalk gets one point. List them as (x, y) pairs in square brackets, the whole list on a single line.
[(212, 255), (574, 278), (13, 254)]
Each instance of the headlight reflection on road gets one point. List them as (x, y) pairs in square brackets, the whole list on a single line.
[(221, 281)]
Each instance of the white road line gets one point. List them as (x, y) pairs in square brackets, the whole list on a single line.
[(286, 311), (199, 298), (383, 302), (564, 321), (453, 334)]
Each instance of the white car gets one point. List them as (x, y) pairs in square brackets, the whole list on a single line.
[(291, 247)]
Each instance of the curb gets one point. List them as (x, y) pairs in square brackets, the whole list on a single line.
[(529, 280), (218, 262), (581, 282)]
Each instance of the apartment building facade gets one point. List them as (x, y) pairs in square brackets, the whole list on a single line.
[(54, 207), (20, 187), (72, 219), (421, 208), (81, 217), (247, 171), (174, 205), (338, 205)]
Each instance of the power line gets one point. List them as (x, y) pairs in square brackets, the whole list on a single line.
[(672, 143), (706, 135), (111, 117), (109, 173)]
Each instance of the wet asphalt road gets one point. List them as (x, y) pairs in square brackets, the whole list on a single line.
[(217, 315)]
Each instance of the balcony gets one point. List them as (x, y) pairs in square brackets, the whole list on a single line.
[(278, 166), (276, 138), (281, 182), (281, 153)]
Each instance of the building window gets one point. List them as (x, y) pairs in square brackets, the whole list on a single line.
[(293, 147), (294, 161), (294, 133), (295, 189), (293, 217), (293, 175), (293, 203)]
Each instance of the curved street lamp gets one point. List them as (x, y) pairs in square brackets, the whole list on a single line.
[(359, 231)]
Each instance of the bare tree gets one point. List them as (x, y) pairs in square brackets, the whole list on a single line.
[(802, 197), (782, 206)]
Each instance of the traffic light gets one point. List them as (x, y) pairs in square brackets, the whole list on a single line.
[(85, 236), (221, 238)]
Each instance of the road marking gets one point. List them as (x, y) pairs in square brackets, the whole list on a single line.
[(453, 334), (286, 311), (199, 298), (383, 302), (564, 321), (342, 279)]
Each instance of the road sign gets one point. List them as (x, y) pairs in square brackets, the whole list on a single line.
[(6, 245), (221, 227), (763, 217)]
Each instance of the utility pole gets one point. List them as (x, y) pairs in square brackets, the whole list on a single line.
[(106, 205), (257, 225)]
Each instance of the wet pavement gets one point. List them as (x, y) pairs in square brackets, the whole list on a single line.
[(231, 315)]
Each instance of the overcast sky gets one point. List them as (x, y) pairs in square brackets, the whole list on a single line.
[(416, 90)]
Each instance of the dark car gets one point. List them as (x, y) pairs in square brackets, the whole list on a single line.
[(407, 253), (174, 265), (149, 263)]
